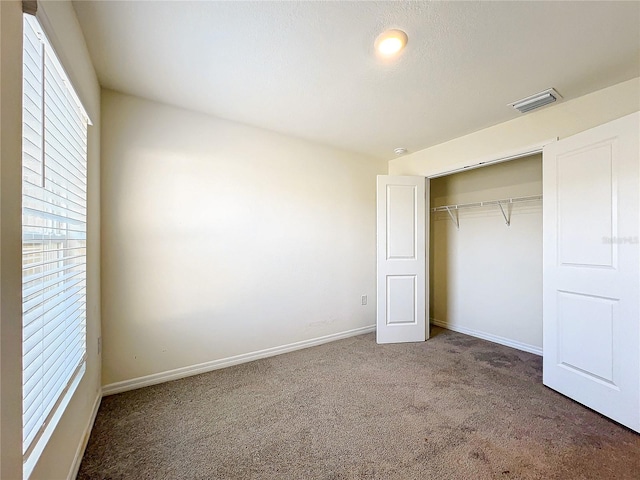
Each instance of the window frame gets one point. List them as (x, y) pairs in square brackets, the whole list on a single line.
[(73, 370)]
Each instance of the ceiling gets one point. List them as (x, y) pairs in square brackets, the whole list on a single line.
[(308, 69)]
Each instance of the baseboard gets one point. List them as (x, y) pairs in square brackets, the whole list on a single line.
[(183, 372), (77, 459), (488, 336)]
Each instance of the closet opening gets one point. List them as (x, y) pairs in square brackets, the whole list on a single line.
[(485, 252)]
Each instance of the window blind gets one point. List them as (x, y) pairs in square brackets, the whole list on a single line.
[(54, 199)]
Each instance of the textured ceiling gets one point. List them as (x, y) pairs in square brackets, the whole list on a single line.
[(308, 69)]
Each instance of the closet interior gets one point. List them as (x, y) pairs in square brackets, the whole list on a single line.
[(485, 265)]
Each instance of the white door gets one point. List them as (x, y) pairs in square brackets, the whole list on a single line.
[(401, 292), (591, 269)]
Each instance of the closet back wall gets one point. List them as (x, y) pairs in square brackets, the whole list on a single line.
[(485, 276)]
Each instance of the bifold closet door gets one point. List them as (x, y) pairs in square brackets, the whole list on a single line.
[(401, 301), (591, 268)]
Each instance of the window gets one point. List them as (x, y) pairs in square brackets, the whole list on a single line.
[(54, 199)]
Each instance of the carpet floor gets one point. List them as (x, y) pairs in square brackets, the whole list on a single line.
[(454, 407)]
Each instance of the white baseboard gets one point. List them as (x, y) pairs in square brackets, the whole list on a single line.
[(488, 336), (77, 459), (183, 372)]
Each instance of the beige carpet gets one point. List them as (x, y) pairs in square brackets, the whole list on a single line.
[(454, 407)]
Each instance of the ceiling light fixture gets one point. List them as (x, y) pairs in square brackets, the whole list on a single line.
[(536, 101), (390, 42)]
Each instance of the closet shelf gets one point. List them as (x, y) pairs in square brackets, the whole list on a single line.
[(500, 203)]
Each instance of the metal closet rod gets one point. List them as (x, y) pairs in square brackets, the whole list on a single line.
[(507, 218)]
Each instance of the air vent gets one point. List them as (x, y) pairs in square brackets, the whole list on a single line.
[(536, 101)]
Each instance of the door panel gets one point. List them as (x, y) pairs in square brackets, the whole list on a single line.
[(585, 336), (591, 268), (401, 299), (584, 220), (401, 259), (401, 221)]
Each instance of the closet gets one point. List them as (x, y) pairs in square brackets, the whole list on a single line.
[(485, 252), (562, 274)]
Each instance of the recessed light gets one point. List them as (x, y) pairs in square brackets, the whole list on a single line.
[(390, 42)]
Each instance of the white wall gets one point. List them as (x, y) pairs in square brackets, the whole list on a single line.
[(59, 457), (485, 276), (221, 239)]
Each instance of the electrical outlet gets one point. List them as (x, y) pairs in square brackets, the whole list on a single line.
[(364, 300)]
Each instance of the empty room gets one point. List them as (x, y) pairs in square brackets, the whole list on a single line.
[(319, 240)]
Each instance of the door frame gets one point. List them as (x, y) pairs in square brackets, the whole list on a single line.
[(492, 159), (485, 161)]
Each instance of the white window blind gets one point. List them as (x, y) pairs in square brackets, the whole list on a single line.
[(54, 199)]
